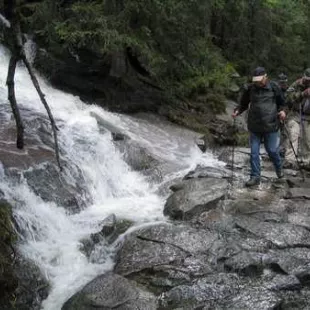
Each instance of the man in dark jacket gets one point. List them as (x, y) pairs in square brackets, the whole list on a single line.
[(266, 104)]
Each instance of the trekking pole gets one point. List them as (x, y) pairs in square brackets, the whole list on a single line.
[(233, 154), (295, 154)]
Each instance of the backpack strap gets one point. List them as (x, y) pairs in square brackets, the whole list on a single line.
[(275, 88)]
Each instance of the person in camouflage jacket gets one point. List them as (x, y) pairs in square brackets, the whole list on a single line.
[(298, 121)]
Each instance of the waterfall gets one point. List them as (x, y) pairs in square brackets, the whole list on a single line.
[(51, 236)]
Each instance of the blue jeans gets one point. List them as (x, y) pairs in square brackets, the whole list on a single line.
[(272, 146)]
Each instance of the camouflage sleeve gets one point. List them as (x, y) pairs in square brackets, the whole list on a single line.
[(294, 93)]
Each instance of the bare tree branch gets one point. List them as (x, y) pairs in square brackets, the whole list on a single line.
[(17, 48), (12, 99), (47, 108)]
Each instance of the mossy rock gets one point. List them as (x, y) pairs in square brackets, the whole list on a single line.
[(8, 280)]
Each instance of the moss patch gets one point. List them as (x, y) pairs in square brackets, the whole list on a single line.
[(8, 280)]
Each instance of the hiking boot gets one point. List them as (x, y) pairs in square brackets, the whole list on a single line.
[(252, 182), (280, 174)]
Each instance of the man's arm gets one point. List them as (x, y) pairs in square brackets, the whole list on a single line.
[(294, 93), (244, 101), (280, 100)]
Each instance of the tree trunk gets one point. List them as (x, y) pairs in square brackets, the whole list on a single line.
[(43, 100), (14, 106), (17, 50)]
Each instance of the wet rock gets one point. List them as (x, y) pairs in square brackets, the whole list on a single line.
[(245, 263), (300, 206), (22, 285), (111, 229), (118, 136), (282, 235), (111, 291), (32, 288), (293, 261), (255, 298), (166, 251), (208, 172), (136, 156), (297, 193), (241, 157), (50, 185), (298, 182), (283, 282), (297, 300), (195, 197), (35, 152), (8, 278), (299, 219), (108, 226), (207, 291)]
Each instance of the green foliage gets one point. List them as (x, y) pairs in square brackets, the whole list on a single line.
[(190, 48), (170, 38), (272, 33)]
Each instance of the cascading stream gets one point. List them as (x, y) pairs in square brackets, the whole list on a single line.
[(51, 236)]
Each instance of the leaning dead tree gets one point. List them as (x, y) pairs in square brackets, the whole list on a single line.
[(17, 46)]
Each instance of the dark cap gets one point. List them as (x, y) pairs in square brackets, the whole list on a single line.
[(282, 77), (307, 74), (258, 74)]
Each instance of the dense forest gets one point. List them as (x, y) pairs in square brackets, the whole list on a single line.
[(188, 48)]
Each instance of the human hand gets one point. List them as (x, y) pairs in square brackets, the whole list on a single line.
[(282, 115), (306, 92), (235, 113)]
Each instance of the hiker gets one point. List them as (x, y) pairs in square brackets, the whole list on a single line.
[(283, 82), (298, 123), (284, 142), (264, 115)]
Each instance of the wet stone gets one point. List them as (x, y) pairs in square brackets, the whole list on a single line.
[(111, 291), (195, 197)]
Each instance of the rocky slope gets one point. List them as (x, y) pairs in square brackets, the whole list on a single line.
[(224, 248)]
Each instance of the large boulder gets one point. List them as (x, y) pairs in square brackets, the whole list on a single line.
[(164, 255), (111, 291), (113, 81), (22, 285), (195, 196)]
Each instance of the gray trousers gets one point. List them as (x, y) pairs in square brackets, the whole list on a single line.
[(304, 144), (299, 135), (292, 134)]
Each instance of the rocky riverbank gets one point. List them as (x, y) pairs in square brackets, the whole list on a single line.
[(223, 247)]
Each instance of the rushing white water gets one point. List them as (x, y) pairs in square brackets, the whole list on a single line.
[(51, 236)]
